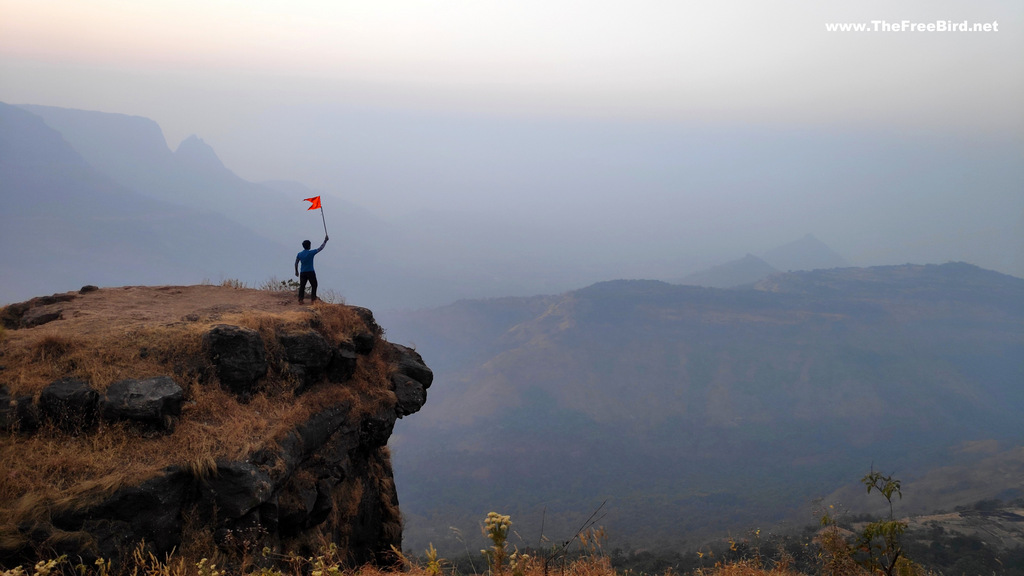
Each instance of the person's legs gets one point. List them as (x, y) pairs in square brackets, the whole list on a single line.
[(312, 286), (303, 278)]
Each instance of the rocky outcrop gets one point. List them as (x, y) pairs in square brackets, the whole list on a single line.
[(35, 312), (328, 478), (239, 357), (70, 404), (410, 380), (153, 402)]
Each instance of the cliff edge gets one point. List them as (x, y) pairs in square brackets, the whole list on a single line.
[(204, 420)]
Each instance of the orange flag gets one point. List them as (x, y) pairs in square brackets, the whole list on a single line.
[(315, 202)]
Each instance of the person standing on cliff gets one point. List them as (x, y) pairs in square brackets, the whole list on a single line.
[(306, 273)]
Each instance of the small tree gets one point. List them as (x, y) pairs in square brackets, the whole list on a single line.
[(883, 539), (878, 547)]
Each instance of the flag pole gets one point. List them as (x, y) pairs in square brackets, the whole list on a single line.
[(315, 203)]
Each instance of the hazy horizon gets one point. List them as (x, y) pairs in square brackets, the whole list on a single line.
[(617, 140)]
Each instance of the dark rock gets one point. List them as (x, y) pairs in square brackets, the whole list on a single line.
[(308, 355), (70, 404), (377, 526), (375, 430), (46, 300), (152, 401), (410, 393), (149, 512), (39, 316), (315, 432), (366, 315), (88, 288), (13, 316), (322, 506), (8, 419), (26, 414), (295, 505), (410, 363), (343, 364), (364, 342), (239, 357), (236, 489), (18, 413), (304, 504)]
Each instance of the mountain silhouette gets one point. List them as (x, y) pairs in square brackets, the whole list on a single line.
[(807, 253), (424, 258), (746, 270), (83, 227), (197, 155)]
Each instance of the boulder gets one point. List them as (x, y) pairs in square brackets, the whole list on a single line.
[(364, 342), (410, 393), (151, 401), (366, 315), (235, 489), (308, 355), (39, 316), (304, 503), (31, 313), (70, 404), (410, 363), (343, 363), (239, 357), (17, 413), (375, 430), (148, 512), (26, 414)]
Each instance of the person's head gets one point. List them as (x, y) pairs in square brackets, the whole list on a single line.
[(306, 244)]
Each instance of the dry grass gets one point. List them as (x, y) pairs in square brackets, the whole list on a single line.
[(35, 359), (49, 471), (748, 568)]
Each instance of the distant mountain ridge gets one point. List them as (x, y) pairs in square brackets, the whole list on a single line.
[(196, 153), (806, 253), (235, 229), (425, 258), (698, 409), (746, 270), (81, 226), (62, 222)]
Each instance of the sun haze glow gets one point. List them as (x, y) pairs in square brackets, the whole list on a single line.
[(752, 61)]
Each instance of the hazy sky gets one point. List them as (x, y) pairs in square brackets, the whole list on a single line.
[(204, 66), (474, 104)]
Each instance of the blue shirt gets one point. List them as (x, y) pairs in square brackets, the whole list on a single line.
[(305, 259)]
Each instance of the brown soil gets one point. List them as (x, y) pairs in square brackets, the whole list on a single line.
[(103, 335), (155, 305)]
